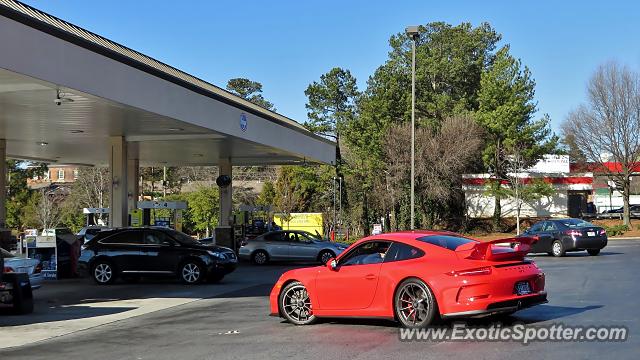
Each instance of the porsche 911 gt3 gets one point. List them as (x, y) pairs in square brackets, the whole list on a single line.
[(415, 278)]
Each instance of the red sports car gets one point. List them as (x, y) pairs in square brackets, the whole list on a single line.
[(414, 277)]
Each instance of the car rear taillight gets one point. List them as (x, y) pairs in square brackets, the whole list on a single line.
[(573, 232), (8, 269), (471, 272), (37, 269), (602, 232)]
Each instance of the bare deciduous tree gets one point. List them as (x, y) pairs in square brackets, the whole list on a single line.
[(607, 127), (517, 188), (48, 210), (91, 188), (442, 155)]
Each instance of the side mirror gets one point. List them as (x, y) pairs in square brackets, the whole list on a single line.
[(332, 264)]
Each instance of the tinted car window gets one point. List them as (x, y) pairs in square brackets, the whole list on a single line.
[(550, 226), (179, 236), (400, 251), (156, 238), (372, 252), (299, 238), (575, 223), (445, 241), (278, 236), (125, 237), (536, 227)]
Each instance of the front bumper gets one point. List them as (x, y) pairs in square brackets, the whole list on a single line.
[(505, 306), (273, 298), (223, 268)]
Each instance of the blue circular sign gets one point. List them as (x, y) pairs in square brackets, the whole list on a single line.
[(243, 122)]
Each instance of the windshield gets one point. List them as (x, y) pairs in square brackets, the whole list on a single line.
[(312, 236), (6, 254), (574, 223), (182, 237)]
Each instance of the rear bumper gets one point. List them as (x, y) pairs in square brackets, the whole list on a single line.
[(584, 243), (506, 306)]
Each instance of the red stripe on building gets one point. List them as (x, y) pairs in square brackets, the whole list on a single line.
[(613, 167), (556, 181)]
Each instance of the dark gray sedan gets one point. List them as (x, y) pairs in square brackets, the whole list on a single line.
[(558, 236), (289, 245)]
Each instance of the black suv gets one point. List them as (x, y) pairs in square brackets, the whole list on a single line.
[(135, 252)]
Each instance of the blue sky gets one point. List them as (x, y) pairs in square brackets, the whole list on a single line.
[(285, 45)]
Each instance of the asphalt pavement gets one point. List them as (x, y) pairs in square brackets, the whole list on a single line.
[(583, 290)]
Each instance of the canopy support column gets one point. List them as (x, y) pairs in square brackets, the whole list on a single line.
[(119, 216)]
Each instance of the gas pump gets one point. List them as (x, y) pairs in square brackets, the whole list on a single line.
[(253, 221), (150, 217)]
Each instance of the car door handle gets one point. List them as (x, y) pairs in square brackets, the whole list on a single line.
[(370, 277)]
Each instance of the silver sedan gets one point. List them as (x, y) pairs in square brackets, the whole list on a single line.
[(29, 266), (288, 245)]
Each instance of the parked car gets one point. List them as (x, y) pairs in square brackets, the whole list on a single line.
[(291, 245), (88, 232), (154, 251), (634, 212), (414, 278), (15, 290), (31, 267), (558, 236)]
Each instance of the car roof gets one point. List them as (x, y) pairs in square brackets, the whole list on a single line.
[(411, 236)]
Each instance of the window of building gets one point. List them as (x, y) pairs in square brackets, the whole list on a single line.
[(46, 175), (75, 174), (60, 174)]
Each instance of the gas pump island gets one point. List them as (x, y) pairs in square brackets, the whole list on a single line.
[(147, 213), (158, 213)]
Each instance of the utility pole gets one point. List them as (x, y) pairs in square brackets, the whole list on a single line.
[(340, 198), (334, 204), (164, 182)]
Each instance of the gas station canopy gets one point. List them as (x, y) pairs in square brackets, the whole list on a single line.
[(65, 93)]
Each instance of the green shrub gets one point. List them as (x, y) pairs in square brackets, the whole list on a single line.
[(616, 230)]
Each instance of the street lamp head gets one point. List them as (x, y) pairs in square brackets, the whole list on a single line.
[(412, 31)]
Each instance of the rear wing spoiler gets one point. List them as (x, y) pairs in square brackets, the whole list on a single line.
[(489, 250)]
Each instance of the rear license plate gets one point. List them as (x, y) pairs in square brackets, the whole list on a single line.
[(523, 288), (591, 233)]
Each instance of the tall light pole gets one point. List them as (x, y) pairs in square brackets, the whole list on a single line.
[(412, 31)]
